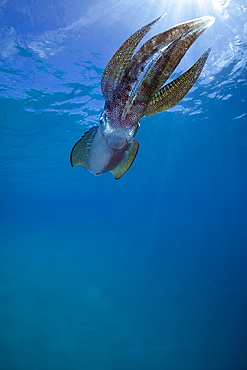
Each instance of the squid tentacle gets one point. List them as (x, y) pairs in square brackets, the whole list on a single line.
[(172, 93), (116, 67)]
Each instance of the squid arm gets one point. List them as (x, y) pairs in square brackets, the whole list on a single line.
[(159, 57), (116, 67), (171, 94)]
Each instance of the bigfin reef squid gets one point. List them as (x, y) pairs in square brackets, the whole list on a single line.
[(133, 86)]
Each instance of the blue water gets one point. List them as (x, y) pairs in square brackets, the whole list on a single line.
[(147, 272)]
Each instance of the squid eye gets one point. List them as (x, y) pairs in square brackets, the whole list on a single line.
[(103, 117), (105, 122)]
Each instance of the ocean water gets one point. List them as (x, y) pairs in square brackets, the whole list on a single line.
[(148, 272)]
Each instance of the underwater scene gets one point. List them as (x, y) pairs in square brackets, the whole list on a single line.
[(123, 178)]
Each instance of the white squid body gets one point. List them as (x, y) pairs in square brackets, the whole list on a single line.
[(107, 150), (100, 151)]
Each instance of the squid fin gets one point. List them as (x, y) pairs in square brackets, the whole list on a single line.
[(118, 64), (127, 160), (171, 94), (80, 152)]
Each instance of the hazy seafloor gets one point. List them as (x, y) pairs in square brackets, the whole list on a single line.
[(147, 272)]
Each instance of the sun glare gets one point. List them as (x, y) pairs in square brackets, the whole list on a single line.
[(187, 9)]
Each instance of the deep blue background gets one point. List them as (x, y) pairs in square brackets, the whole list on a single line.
[(148, 272)]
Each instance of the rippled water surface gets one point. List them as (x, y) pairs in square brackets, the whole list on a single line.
[(148, 272)]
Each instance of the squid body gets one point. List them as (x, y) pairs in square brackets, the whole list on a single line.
[(133, 86)]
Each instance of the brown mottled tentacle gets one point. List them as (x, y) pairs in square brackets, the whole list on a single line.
[(158, 58), (171, 94), (116, 68), (168, 36)]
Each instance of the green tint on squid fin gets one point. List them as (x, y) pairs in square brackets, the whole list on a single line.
[(80, 152), (127, 160)]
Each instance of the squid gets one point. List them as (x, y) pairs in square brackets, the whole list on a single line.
[(133, 86)]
